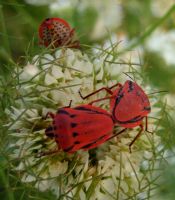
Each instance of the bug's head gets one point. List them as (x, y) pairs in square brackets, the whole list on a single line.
[(50, 132), (48, 22)]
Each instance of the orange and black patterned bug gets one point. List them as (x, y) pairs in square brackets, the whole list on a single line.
[(56, 32), (83, 127)]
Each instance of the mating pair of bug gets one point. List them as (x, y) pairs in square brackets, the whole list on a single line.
[(87, 126)]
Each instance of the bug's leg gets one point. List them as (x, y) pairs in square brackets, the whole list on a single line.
[(136, 137), (108, 90), (101, 99), (146, 126), (75, 44), (49, 114), (116, 85), (72, 32), (70, 103), (46, 153), (68, 43), (40, 43), (103, 88), (116, 134)]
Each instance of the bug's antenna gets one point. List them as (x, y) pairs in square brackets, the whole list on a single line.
[(125, 73), (70, 103), (161, 91), (152, 117)]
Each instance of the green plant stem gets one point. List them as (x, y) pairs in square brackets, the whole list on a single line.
[(5, 40), (149, 31), (4, 178)]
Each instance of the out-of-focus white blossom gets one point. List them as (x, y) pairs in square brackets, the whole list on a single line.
[(60, 4), (163, 42), (105, 10), (160, 7), (40, 2)]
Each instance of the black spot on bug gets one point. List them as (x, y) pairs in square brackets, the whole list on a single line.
[(72, 116), (131, 86), (74, 134), (77, 142), (73, 125), (119, 97)]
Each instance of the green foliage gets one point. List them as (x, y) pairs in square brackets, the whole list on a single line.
[(159, 73), (167, 183), (137, 16), (162, 76), (84, 22), (12, 189), (20, 24)]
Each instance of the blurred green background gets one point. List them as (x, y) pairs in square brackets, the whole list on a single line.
[(145, 25)]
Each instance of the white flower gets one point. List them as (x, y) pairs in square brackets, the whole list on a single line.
[(108, 172), (29, 71)]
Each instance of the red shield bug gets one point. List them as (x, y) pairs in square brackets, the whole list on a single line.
[(56, 32), (129, 105), (83, 127)]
